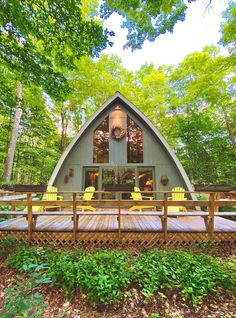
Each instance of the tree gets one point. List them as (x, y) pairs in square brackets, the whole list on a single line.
[(146, 19), (203, 103), (228, 27), (8, 88), (14, 134), (37, 37)]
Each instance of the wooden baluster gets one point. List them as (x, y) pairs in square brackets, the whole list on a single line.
[(75, 217), (13, 207), (164, 218), (119, 218), (211, 210), (29, 216)]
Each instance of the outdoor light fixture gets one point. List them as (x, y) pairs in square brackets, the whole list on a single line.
[(118, 130), (164, 180)]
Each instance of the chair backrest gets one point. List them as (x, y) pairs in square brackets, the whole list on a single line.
[(136, 195), (179, 195), (88, 194), (50, 196)]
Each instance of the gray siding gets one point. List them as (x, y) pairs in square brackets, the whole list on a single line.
[(155, 155)]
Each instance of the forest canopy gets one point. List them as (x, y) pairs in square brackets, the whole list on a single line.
[(48, 72)]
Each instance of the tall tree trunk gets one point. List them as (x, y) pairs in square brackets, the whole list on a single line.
[(14, 134), (64, 127), (230, 132)]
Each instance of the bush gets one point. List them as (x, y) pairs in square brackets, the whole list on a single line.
[(24, 299), (8, 208), (28, 255), (7, 245), (5, 208), (103, 275), (63, 270), (194, 275)]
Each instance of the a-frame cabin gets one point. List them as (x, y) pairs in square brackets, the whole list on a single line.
[(119, 145)]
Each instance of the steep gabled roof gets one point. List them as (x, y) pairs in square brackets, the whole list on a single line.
[(142, 118)]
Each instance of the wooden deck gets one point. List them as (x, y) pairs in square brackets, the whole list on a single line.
[(114, 223), (109, 223)]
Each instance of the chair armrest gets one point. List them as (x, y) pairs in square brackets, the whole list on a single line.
[(59, 197)]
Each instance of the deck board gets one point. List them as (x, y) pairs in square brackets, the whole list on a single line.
[(109, 223), (178, 225), (193, 223)]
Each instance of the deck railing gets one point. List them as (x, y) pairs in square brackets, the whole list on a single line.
[(120, 208)]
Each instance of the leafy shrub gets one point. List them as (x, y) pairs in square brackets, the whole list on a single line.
[(195, 275), (103, 275), (8, 208), (24, 299), (5, 208), (7, 245), (28, 255), (62, 270), (152, 272), (202, 197)]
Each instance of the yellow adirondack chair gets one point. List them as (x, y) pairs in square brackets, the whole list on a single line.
[(178, 194), (51, 195), (48, 197), (88, 195), (137, 196)]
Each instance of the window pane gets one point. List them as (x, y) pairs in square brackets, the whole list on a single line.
[(108, 178), (145, 177), (101, 143), (134, 142), (91, 177), (126, 176)]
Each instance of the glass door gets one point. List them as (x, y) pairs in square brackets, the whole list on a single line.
[(118, 179), (91, 177), (146, 179), (108, 181)]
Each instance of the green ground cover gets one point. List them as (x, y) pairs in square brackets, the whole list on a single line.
[(107, 277)]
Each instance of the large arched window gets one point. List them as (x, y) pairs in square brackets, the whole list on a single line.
[(101, 142), (134, 142)]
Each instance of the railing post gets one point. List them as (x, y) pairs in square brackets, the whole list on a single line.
[(211, 211), (75, 217), (13, 206), (119, 218), (29, 216), (164, 220)]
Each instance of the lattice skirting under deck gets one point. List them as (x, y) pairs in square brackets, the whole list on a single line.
[(147, 240)]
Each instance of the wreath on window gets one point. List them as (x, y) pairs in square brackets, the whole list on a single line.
[(118, 132)]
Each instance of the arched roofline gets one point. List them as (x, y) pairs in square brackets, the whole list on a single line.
[(141, 116)]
